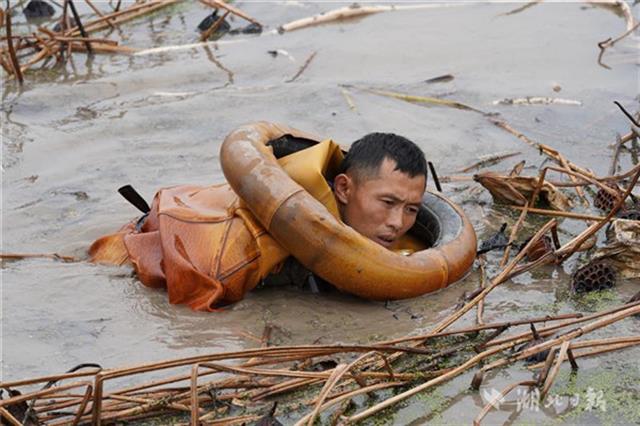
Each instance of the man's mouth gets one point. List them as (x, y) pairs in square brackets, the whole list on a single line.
[(385, 241)]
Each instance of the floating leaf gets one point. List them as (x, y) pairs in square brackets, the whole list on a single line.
[(518, 189)]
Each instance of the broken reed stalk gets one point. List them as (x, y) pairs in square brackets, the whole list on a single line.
[(531, 202), (348, 99), (558, 213), (427, 100), (12, 52), (303, 67), (555, 155), (6, 415), (491, 160), (605, 44), (21, 256), (616, 155), (100, 14), (336, 375), (589, 178), (626, 138), (495, 400), (80, 26), (348, 12), (609, 347), (548, 382), (505, 324), (480, 309), (503, 125)]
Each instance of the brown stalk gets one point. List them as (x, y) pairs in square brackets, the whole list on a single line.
[(21, 256), (4, 412), (303, 67), (40, 393), (546, 366), (590, 178), (349, 395), (555, 370), (284, 387), (567, 167), (235, 420), (195, 409), (626, 138), (104, 48), (12, 52), (480, 310), (57, 406), (610, 345), (5, 64), (616, 155), (43, 44), (89, 39), (83, 406), (477, 421), (333, 380), (605, 44), (508, 128), (99, 13), (137, 400), (555, 155), (523, 215), (491, 160), (336, 375), (558, 213), (80, 26)]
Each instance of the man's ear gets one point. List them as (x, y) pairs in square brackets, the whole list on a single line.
[(342, 187)]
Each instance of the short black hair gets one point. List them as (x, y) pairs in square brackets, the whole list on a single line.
[(367, 154)]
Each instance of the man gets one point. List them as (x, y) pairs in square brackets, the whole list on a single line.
[(380, 189), (207, 249)]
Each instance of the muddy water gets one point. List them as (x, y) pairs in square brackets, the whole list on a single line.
[(72, 136)]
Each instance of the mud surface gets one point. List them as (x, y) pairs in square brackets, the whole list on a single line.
[(72, 135)]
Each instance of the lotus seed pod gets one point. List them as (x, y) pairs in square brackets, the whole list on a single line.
[(597, 275)]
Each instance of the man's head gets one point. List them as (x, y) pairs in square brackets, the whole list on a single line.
[(381, 186)]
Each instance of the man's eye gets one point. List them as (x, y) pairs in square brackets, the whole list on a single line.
[(412, 210), (388, 202)]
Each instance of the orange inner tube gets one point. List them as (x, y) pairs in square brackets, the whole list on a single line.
[(322, 243)]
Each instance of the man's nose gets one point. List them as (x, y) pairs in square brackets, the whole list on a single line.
[(395, 219)]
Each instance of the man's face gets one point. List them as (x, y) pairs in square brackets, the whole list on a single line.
[(382, 207)]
